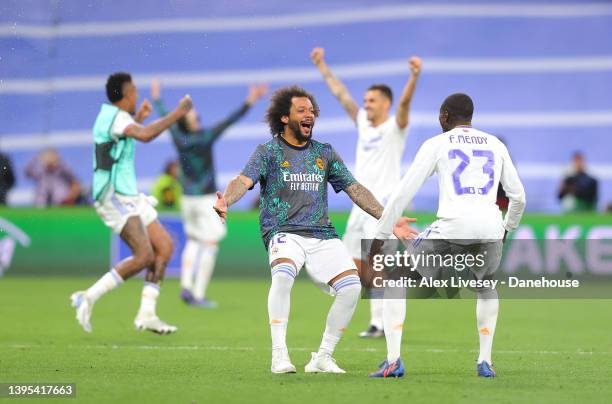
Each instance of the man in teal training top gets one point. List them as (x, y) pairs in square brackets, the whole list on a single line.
[(128, 213), (203, 228)]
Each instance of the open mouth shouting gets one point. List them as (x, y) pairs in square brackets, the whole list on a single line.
[(306, 126)]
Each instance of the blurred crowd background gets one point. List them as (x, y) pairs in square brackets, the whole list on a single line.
[(540, 76)]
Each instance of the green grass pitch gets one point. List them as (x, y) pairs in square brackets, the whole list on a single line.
[(544, 351)]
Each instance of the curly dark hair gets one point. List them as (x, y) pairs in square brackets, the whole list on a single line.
[(281, 104)]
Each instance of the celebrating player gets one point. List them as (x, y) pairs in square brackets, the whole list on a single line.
[(202, 226), (380, 146), (470, 165), (121, 207), (293, 171)]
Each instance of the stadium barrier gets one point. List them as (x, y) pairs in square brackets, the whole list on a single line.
[(74, 242)]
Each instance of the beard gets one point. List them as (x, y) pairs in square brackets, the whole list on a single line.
[(296, 128)]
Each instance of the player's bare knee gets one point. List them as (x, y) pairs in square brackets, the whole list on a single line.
[(284, 272), (145, 256), (282, 260), (165, 248), (347, 284)]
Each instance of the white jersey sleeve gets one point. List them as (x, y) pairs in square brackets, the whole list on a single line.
[(121, 122), (515, 192), (423, 166)]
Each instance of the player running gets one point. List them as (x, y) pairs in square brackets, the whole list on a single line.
[(380, 146), (470, 165), (203, 227), (293, 171), (121, 207)]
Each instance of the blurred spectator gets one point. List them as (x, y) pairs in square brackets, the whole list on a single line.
[(167, 189), (7, 178), (578, 191), (55, 183)]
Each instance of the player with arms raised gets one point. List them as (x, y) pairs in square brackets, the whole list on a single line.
[(203, 228), (380, 147), (470, 165), (293, 171), (121, 207)]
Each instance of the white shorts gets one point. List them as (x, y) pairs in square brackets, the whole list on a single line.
[(200, 220), (323, 259), (115, 209), (361, 226)]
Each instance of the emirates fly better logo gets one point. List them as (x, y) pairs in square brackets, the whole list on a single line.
[(303, 181)]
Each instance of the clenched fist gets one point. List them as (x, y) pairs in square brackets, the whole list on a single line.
[(317, 55), (185, 104), (415, 63)]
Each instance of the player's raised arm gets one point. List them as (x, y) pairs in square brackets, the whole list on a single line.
[(337, 88), (421, 168), (151, 131), (403, 108), (256, 92), (144, 111), (514, 191), (159, 105)]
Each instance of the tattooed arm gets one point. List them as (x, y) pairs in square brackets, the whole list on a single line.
[(234, 191), (368, 203), (365, 200)]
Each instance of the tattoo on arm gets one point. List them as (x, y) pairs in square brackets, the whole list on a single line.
[(234, 191), (365, 200)]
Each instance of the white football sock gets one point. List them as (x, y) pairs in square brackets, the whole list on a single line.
[(279, 302), (105, 284), (188, 263), (204, 270), (150, 293), (394, 315), (347, 290), (487, 308)]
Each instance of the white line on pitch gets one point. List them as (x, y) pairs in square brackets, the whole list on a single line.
[(303, 349)]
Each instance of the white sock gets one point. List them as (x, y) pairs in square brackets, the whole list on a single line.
[(150, 293), (279, 303), (105, 284), (487, 308), (347, 290), (204, 270), (394, 315), (188, 263), (376, 310)]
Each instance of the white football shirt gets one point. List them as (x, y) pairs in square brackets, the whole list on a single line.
[(120, 124), (379, 155), (470, 165)]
